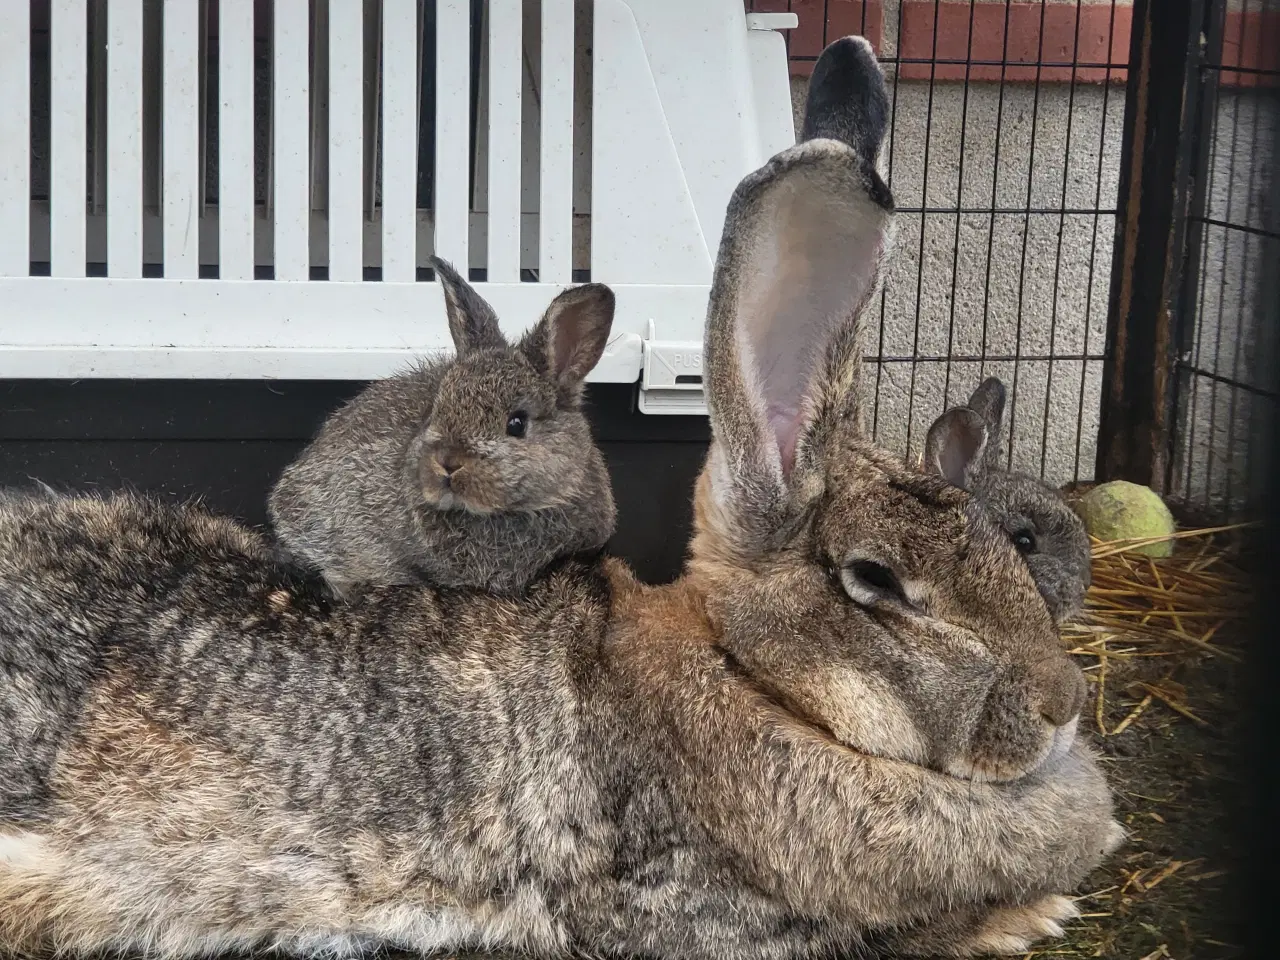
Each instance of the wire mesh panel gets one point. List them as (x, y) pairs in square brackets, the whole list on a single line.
[(1003, 155), (295, 139), (1226, 358)]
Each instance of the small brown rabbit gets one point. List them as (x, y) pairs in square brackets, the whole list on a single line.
[(1047, 532), (845, 732), (471, 472)]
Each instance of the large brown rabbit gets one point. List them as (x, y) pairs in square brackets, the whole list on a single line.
[(847, 732)]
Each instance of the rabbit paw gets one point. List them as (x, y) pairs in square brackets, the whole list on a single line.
[(1116, 835), (1012, 930)]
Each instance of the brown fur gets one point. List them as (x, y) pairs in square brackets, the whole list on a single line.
[(964, 446), (187, 812)]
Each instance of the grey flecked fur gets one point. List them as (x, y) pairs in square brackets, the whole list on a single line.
[(1024, 506), (368, 502), (223, 759)]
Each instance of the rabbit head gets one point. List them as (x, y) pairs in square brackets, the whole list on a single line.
[(1047, 532), (879, 604), (506, 432)]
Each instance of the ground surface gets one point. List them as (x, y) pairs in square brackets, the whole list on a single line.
[(1159, 642), (1163, 894)]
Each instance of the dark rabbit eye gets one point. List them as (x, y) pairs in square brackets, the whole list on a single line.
[(517, 424), (1025, 541), (866, 581), (876, 575)]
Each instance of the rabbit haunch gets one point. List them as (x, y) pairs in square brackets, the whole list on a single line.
[(207, 754), (471, 472)]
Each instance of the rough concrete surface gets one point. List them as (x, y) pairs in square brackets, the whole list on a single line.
[(1035, 285)]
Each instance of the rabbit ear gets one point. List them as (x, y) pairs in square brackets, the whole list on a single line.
[(955, 446), (846, 102), (803, 241), (570, 338), (472, 322), (988, 402)]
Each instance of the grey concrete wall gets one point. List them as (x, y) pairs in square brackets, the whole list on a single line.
[(1006, 284), (1213, 463), (1036, 285)]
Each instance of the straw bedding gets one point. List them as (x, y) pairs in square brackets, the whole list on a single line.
[(1159, 643)]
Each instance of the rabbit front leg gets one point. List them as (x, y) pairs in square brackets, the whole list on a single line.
[(1045, 859), (1015, 844), (877, 844)]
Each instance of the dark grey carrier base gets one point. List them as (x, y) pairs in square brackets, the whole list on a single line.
[(227, 441)]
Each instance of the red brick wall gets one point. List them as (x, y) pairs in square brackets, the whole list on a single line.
[(948, 40), (1010, 40)]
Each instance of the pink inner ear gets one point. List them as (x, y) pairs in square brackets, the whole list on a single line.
[(813, 275), (786, 427)]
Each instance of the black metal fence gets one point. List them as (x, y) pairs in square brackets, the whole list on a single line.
[(1189, 360), (1080, 188), (1223, 388)]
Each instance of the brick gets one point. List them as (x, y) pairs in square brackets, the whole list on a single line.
[(1090, 35), (844, 17)]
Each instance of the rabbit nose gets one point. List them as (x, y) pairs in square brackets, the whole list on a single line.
[(449, 462), (1062, 690)]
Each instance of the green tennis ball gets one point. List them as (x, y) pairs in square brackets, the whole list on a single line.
[(1120, 510)]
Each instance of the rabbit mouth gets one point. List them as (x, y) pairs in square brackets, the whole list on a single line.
[(1059, 747), (451, 501), (1056, 746)]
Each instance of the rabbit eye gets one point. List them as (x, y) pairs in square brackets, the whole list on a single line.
[(517, 424), (1025, 541), (866, 581)]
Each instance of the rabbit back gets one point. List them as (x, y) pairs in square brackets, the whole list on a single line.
[(188, 741), (247, 764), (340, 508)]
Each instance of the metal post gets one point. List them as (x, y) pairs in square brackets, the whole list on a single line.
[(1157, 165)]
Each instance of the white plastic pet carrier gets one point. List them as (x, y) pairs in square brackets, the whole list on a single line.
[(251, 188)]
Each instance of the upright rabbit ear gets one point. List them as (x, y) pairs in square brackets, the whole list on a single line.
[(845, 102), (472, 322), (988, 402), (803, 242), (570, 338), (955, 446)]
